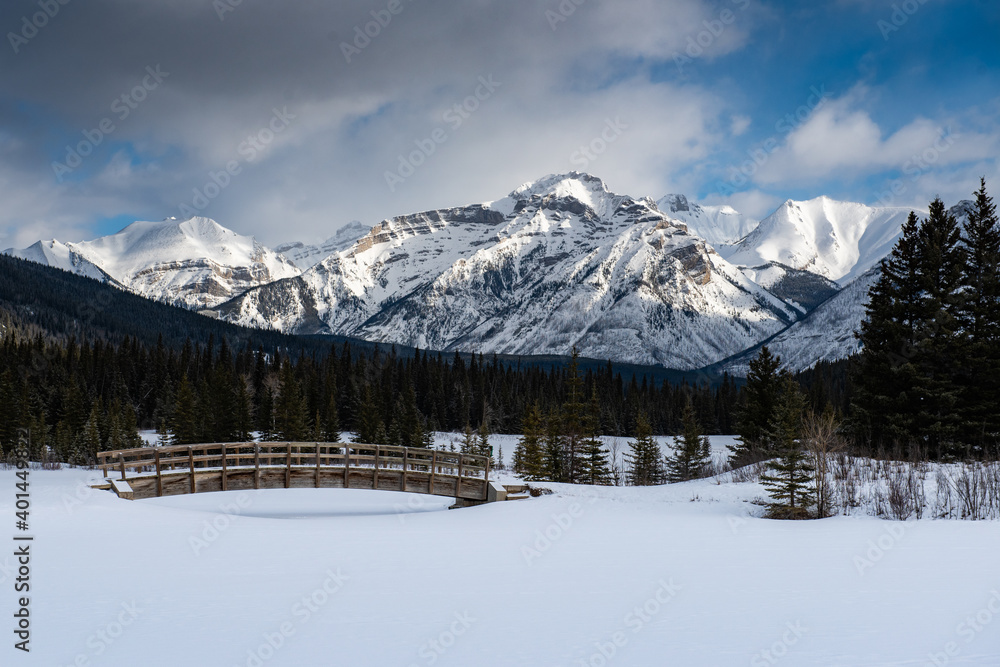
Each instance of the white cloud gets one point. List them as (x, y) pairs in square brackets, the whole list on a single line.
[(840, 137)]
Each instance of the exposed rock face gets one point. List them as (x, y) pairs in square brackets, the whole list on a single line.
[(557, 264)]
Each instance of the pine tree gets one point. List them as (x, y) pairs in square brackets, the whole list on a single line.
[(884, 406), (483, 446), (331, 424), (762, 392), (162, 434), (553, 469), (469, 444), (183, 424), (572, 422), (244, 412), (289, 409), (691, 451), (937, 359), (368, 427), (89, 441), (528, 459), (644, 458), (791, 484), (596, 469), (980, 319)]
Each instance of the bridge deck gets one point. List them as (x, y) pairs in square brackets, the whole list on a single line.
[(167, 471)]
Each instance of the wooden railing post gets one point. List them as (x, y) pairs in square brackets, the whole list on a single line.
[(191, 467), (347, 466), (256, 465), (121, 462), (224, 470), (406, 460), (375, 476), (317, 466), (159, 477), (434, 458), (288, 465)]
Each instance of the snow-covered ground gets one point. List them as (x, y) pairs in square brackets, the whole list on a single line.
[(674, 575)]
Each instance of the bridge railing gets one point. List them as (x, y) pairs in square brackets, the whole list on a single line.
[(270, 455)]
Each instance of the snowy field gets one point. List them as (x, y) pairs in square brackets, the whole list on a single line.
[(675, 575)]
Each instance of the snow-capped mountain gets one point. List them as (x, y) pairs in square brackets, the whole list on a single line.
[(837, 240), (827, 333), (307, 256), (801, 289), (59, 255), (719, 225), (558, 263), (194, 263)]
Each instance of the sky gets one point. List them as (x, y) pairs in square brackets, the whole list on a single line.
[(288, 120)]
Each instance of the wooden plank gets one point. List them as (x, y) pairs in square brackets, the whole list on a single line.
[(159, 476), (191, 467)]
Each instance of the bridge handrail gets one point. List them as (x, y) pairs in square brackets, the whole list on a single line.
[(291, 455)]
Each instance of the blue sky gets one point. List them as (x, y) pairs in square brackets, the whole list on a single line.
[(910, 109)]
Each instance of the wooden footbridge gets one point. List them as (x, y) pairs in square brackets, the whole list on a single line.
[(151, 472)]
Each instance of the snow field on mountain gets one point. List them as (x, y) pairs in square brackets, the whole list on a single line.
[(678, 575)]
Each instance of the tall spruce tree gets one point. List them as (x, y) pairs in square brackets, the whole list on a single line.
[(691, 451), (980, 319), (573, 423), (937, 351), (528, 459), (596, 468), (553, 458), (884, 405), (290, 410), (790, 480), (183, 425), (756, 414), (644, 457)]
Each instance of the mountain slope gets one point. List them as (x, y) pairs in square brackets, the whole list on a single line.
[(827, 333), (837, 240), (306, 256), (194, 263), (718, 225), (557, 264)]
